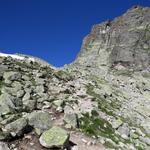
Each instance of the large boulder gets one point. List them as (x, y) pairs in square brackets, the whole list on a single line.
[(6, 104), (17, 127), (55, 137), (40, 121)]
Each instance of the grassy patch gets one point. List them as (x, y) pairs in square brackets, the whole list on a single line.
[(62, 75), (104, 105), (125, 72), (147, 49), (95, 126)]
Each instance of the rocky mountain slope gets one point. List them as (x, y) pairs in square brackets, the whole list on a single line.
[(101, 101)]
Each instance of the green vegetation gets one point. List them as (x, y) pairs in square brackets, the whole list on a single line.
[(33, 82), (104, 105), (95, 126), (147, 49), (125, 72), (90, 46), (62, 75)]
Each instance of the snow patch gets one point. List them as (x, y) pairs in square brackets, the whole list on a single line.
[(16, 57)]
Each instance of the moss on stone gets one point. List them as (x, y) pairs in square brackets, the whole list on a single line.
[(54, 137)]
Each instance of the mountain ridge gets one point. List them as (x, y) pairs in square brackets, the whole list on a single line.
[(106, 40), (100, 101)]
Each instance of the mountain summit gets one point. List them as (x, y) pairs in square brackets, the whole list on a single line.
[(124, 40), (100, 101)]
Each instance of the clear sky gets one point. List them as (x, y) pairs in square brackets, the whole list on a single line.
[(54, 29)]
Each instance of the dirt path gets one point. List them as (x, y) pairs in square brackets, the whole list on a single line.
[(85, 143)]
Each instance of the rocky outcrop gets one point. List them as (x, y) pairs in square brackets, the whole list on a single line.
[(124, 40)]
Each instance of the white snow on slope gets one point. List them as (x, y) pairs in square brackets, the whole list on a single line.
[(16, 57)]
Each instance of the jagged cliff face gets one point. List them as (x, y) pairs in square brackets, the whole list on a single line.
[(125, 41), (105, 93)]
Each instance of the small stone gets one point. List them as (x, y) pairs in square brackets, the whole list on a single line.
[(75, 147), (55, 137), (124, 136), (3, 135), (84, 141), (59, 109), (29, 105), (71, 119), (68, 126), (124, 131), (116, 123), (89, 143), (145, 140), (20, 93), (26, 96), (3, 146), (40, 90), (28, 137), (58, 103), (31, 144)]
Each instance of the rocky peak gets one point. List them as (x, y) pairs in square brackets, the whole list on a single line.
[(124, 40)]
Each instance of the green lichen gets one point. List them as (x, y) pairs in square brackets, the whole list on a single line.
[(90, 46), (55, 137)]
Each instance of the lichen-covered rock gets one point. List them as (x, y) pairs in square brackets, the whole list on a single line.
[(3, 135), (29, 105), (6, 104), (55, 137), (11, 76), (17, 127), (40, 120), (71, 119), (124, 131)]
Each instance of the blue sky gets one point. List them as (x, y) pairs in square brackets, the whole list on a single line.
[(54, 29)]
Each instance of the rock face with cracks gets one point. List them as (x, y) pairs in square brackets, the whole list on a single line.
[(101, 100)]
